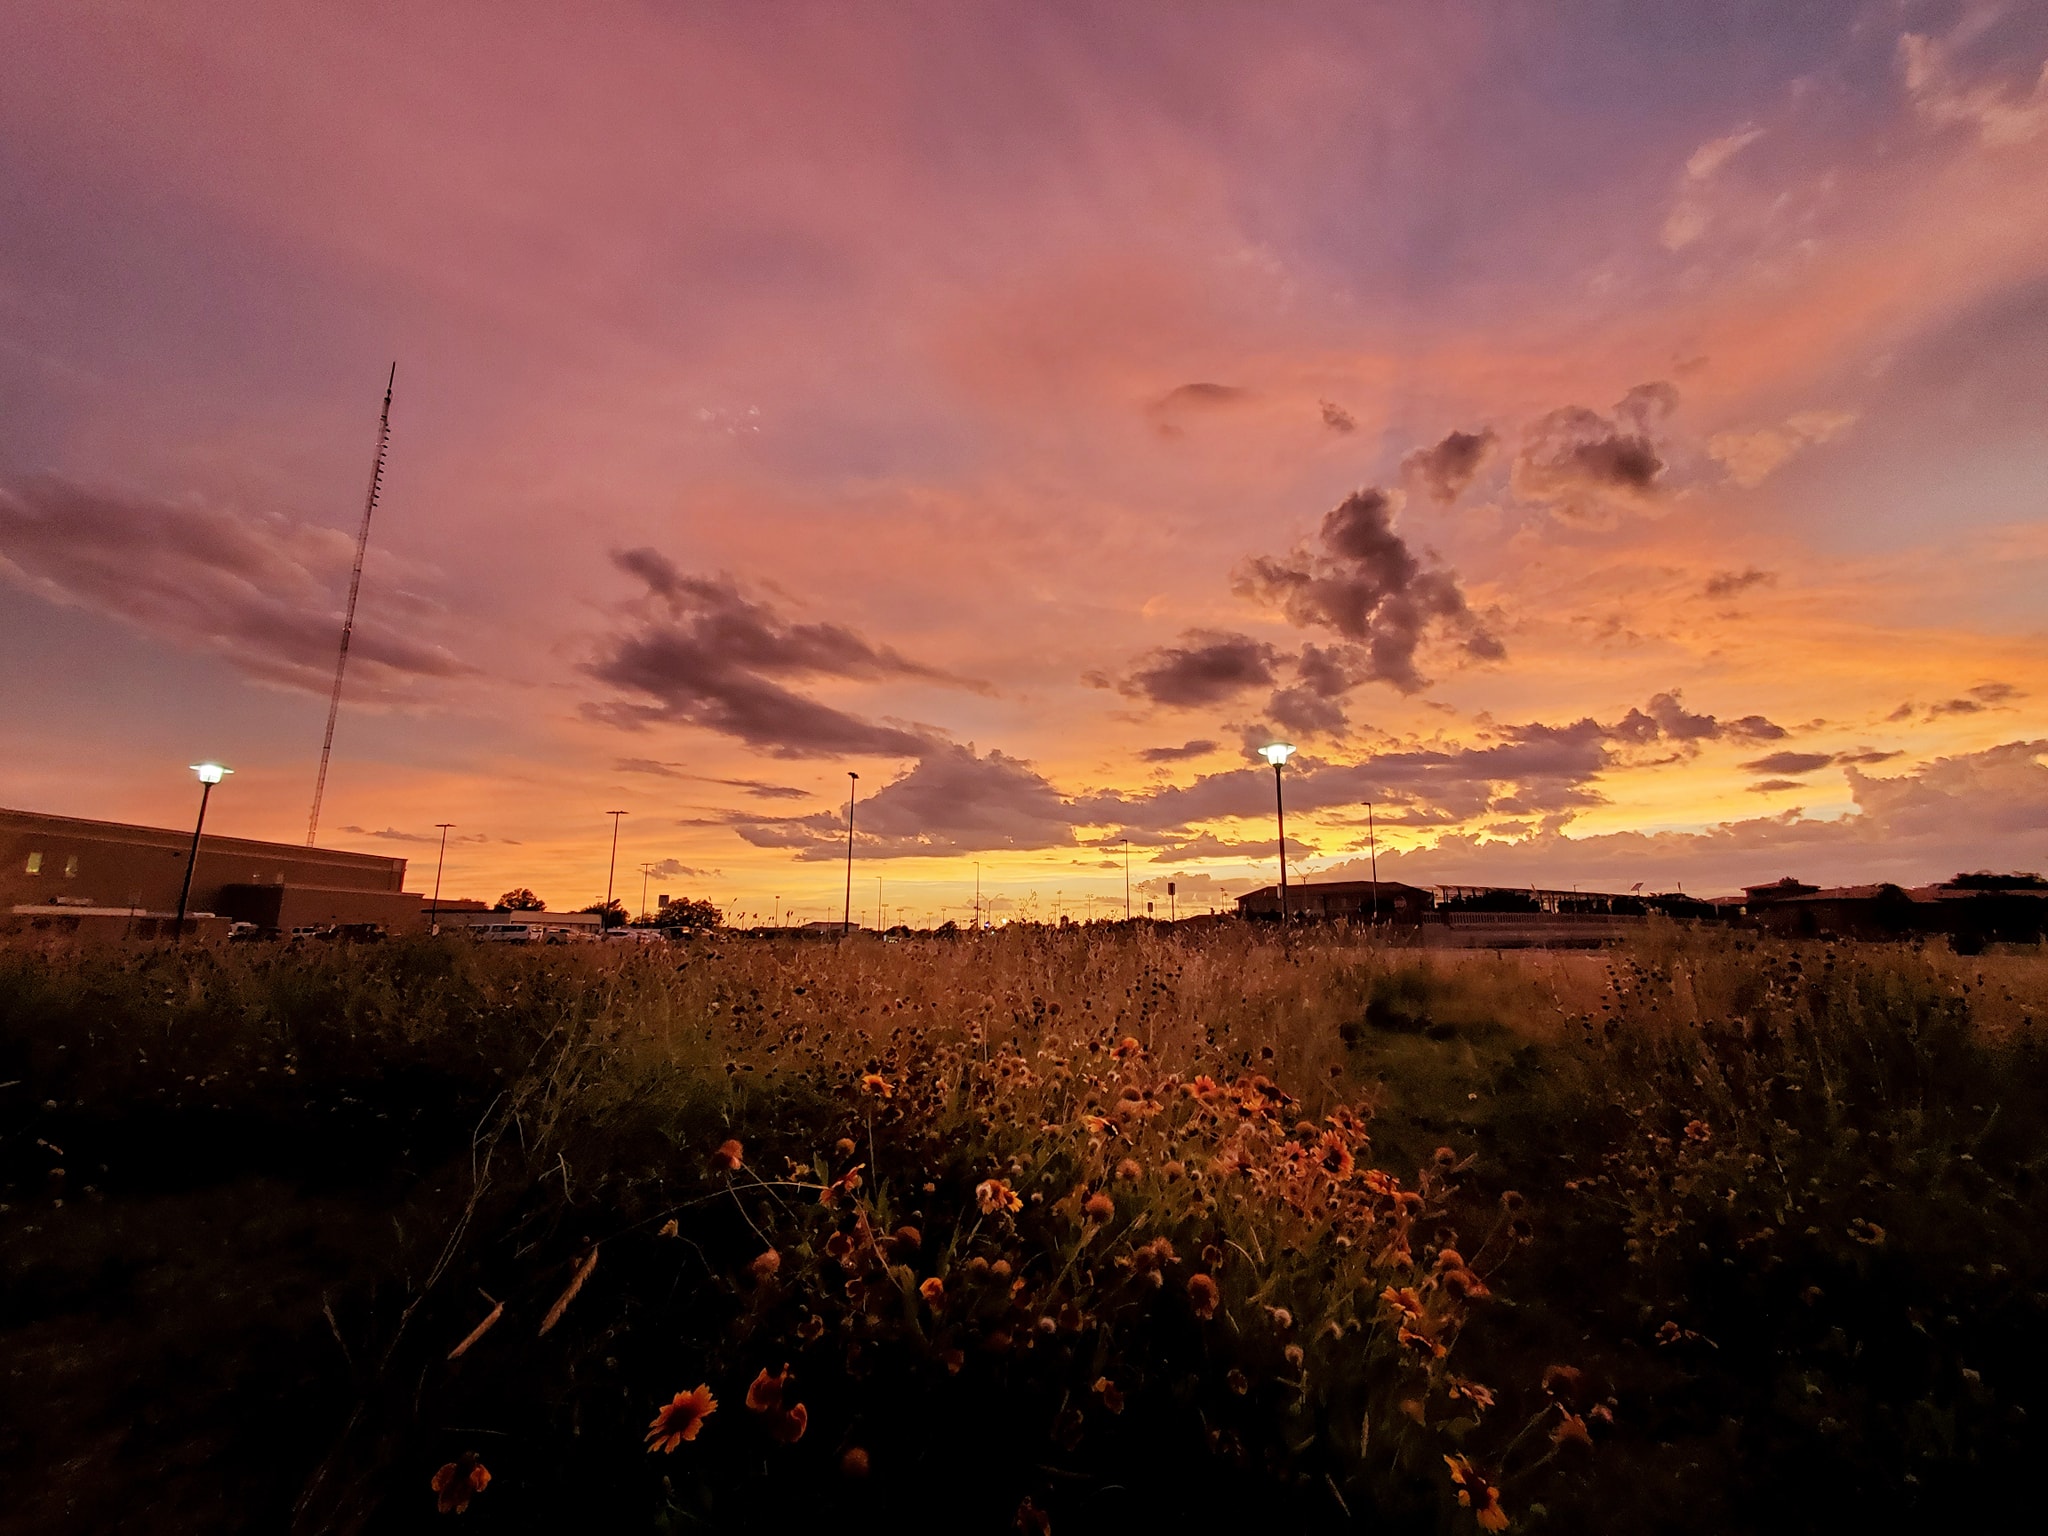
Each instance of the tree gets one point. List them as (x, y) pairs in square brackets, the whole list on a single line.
[(612, 913), (520, 899), (689, 913)]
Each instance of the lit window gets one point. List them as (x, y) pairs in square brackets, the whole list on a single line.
[(71, 867), (35, 862)]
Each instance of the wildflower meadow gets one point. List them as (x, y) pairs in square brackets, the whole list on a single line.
[(1076, 1230)]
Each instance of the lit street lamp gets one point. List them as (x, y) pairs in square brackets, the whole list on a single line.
[(210, 774), (852, 787), (1276, 754), (434, 912)]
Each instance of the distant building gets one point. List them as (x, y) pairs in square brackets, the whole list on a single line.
[(130, 877), (1971, 910), (1332, 899)]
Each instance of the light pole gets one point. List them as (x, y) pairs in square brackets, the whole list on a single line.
[(610, 870), (1127, 879), (434, 912), (1372, 842), (1276, 754), (1172, 903), (852, 785), (977, 895), (880, 924), (645, 871), (210, 774)]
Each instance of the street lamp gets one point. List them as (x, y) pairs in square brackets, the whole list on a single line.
[(1276, 754), (1127, 879), (1372, 842), (434, 912), (852, 786), (210, 774), (611, 869)]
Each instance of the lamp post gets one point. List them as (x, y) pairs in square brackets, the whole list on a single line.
[(1276, 754), (610, 870), (1372, 842), (434, 912), (210, 774), (645, 871), (852, 786), (1127, 879)]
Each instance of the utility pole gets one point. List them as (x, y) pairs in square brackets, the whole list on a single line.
[(1127, 879), (348, 618), (434, 914), (610, 870), (846, 922)]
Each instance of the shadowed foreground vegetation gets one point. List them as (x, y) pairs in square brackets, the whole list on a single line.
[(1045, 1230)]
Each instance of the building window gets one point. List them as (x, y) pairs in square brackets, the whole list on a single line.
[(35, 862), (71, 867)]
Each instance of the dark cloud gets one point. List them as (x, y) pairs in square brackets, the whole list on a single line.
[(1202, 395), (393, 835), (1205, 668), (1729, 583), (1336, 418), (1370, 587), (953, 802), (1206, 845), (1995, 693), (1789, 762), (671, 869), (1666, 719), (1773, 786), (759, 789), (262, 592), (1179, 754), (1443, 470), (707, 655), (1581, 464)]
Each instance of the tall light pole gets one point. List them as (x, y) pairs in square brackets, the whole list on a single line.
[(610, 870), (645, 871), (880, 925), (1372, 842), (1127, 879), (1276, 754), (210, 774), (852, 785), (434, 912)]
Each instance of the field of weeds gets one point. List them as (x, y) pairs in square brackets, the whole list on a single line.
[(1044, 1230)]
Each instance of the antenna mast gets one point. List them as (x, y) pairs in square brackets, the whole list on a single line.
[(348, 621)]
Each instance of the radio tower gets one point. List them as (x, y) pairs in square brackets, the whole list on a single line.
[(348, 621)]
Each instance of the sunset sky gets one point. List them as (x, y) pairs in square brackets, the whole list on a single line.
[(1610, 438)]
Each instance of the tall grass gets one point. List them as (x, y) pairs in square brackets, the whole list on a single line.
[(1080, 1227)]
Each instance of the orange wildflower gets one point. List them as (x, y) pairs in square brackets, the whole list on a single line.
[(1477, 1494), (765, 1395), (729, 1156), (1203, 1294), (1571, 1428), (680, 1419), (934, 1292), (878, 1085), (458, 1482), (1129, 1168), (995, 1195), (1334, 1153), (1099, 1207), (788, 1427), (766, 1266)]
